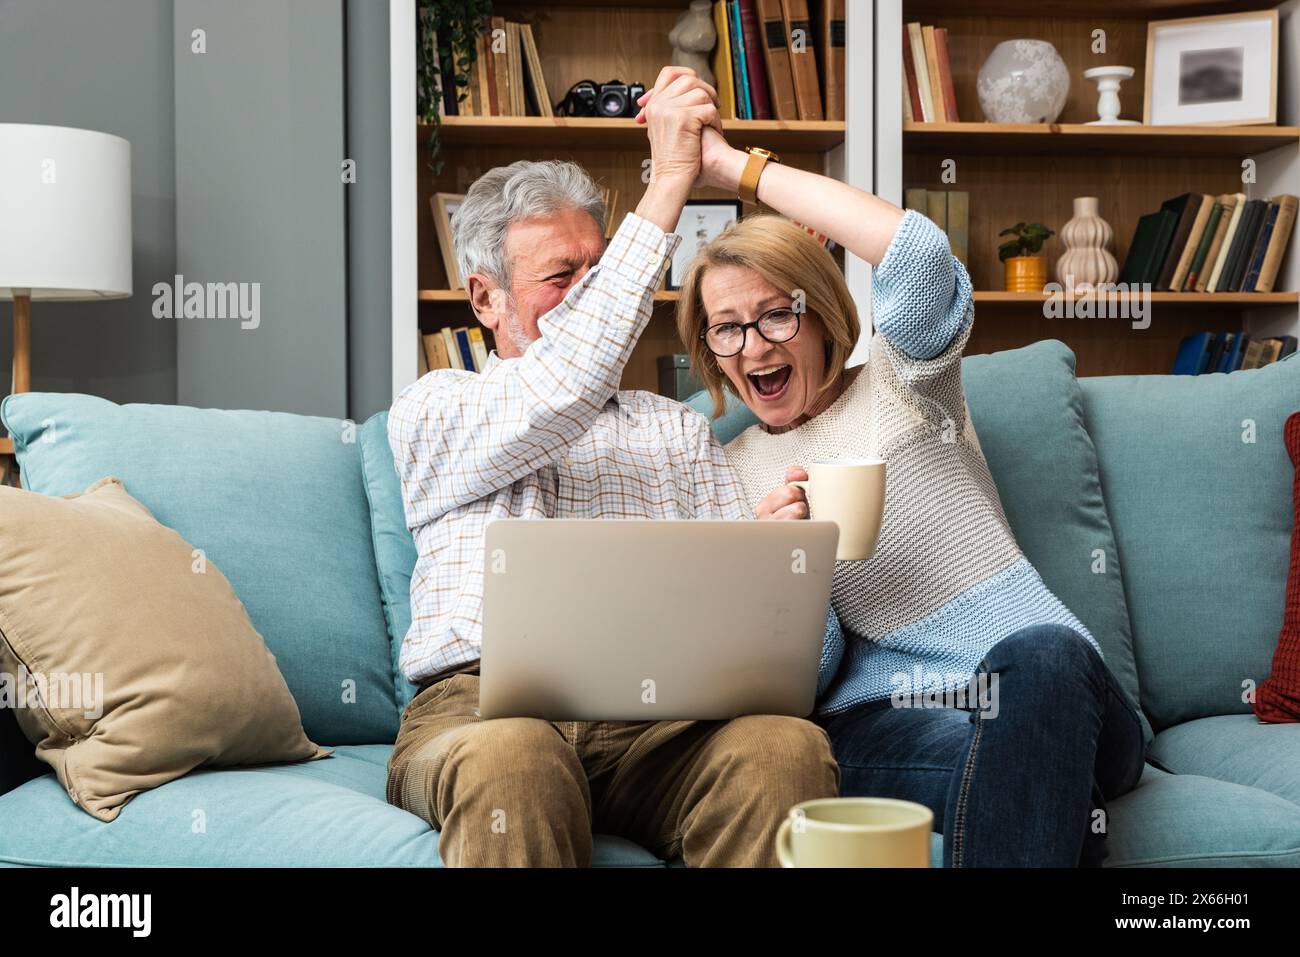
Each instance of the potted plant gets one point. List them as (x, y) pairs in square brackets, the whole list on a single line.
[(445, 32), (1025, 268)]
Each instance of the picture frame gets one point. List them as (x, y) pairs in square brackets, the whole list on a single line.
[(1212, 71), (444, 206), (701, 221)]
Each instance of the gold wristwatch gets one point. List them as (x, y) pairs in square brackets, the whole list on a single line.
[(758, 158)]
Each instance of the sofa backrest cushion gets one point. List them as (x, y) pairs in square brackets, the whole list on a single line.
[(394, 547), (276, 501), (1028, 413), (1198, 484), (1027, 409)]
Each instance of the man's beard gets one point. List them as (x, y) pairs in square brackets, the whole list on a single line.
[(514, 330), (510, 325)]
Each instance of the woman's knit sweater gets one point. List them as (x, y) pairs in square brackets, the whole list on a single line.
[(947, 581)]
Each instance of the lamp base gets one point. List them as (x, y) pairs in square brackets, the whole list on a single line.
[(22, 381)]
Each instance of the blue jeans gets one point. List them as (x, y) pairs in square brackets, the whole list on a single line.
[(1019, 785)]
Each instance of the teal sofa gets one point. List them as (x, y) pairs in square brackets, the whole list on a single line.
[(1143, 501)]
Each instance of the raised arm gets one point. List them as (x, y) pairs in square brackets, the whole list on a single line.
[(921, 294), (459, 436), (920, 302), (862, 223)]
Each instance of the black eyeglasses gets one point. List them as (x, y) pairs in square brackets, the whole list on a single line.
[(728, 338)]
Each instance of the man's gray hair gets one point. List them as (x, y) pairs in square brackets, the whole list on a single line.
[(509, 194)]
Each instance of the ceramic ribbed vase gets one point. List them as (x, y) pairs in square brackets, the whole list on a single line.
[(1086, 260)]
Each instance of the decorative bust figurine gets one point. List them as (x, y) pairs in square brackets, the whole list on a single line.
[(693, 39)]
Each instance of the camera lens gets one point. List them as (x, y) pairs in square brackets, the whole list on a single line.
[(613, 103)]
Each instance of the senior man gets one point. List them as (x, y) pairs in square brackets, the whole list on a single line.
[(543, 432)]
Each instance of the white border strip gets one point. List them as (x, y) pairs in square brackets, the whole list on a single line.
[(405, 248)]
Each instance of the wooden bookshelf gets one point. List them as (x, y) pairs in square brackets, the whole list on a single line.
[(1131, 9), (576, 40), (999, 297), (1190, 300), (1080, 139), (459, 295), (588, 132), (1032, 172)]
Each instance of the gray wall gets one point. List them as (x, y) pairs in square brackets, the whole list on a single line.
[(369, 218), (235, 178), (259, 199), (104, 66)]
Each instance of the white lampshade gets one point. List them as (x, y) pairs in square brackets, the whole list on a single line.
[(65, 213)]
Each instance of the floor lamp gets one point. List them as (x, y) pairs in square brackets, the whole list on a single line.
[(65, 225)]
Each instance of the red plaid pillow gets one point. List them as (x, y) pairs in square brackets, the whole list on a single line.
[(1279, 697)]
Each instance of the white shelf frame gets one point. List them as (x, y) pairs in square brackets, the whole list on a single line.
[(404, 186)]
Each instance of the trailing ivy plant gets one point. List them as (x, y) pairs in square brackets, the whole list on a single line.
[(1028, 240), (454, 23)]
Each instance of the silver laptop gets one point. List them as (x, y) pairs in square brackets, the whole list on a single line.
[(639, 620)]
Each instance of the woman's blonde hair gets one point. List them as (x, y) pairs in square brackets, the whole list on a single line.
[(785, 255)]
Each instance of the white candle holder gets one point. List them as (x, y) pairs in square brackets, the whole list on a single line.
[(1108, 80)]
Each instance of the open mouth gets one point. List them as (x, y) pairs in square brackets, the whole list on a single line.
[(770, 383)]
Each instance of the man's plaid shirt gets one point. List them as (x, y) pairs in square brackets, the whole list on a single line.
[(546, 435)]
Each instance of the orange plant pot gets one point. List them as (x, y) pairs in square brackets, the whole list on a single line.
[(1025, 273)]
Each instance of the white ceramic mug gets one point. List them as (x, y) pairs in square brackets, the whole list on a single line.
[(855, 832), (850, 493)]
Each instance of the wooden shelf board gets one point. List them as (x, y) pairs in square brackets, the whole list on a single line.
[(1137, 9), (675, 5), (459, 295), (1075, 139), (1000, 297), (1191, 299), (593, 132)]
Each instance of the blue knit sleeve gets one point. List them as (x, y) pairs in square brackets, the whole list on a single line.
[(921, 291), (832, 653)]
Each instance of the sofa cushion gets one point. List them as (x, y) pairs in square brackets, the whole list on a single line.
[(166, 670), (1028, 414), (1185, 820), (276, 501), (736, 418), (1237, 748), (1278, 698), (1027, 410), (1198, 483), (394, 547), (323, 814)]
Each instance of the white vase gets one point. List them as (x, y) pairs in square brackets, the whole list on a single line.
[(1086, 261), (1023, 81)]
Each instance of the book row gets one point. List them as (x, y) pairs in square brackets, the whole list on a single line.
[(928, 95), (779, 59), (1204, 352), (505, 78), (459, 348), (1201, 243)]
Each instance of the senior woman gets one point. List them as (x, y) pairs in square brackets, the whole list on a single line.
[(1021, 777)]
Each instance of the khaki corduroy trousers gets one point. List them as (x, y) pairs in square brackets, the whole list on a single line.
[(520, 792)]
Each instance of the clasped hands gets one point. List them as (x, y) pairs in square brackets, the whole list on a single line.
[(680, 113)]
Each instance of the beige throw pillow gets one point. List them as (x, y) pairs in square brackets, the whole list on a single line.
[(128, 658)]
